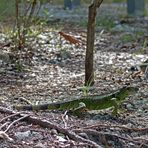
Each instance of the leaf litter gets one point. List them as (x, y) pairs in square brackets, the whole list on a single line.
[(56, 72)]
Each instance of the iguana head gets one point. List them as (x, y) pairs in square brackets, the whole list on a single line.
[(131, 90), (127, 91)]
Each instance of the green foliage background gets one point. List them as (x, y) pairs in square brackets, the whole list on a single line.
[(7, 7)]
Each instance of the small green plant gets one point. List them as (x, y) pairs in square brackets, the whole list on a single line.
[(146, 11), (86, 88), (83, 23), (127, 37), (24, 19), (118, 1), (139, 34), (24, 26), (143, 48), (19, 66), (107, 22), (7, 9), (145, 43)]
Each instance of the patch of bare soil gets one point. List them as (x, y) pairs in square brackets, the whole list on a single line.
[(53, 70)]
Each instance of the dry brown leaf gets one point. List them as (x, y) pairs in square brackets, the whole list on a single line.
[(70, 38)]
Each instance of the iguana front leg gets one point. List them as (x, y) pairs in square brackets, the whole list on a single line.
[(81, 107), (80, 110)]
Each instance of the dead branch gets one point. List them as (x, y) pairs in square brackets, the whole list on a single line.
[(102, 134), (141, 139), (3, 135), (21, 118), (72, 135), (48, 124), (4, 125), (10, 116), (117, 126)]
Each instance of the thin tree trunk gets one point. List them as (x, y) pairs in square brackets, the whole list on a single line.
[(89, 70), (18, 24)]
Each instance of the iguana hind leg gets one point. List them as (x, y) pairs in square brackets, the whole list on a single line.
[(117, 107)]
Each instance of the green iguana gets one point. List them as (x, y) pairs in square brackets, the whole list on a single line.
[(97, 102)]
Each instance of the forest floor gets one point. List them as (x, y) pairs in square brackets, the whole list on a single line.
[(53, 70)]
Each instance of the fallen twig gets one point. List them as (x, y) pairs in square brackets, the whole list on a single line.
[(3, 135), (141, 139), (4, 125), (102, 134), (10, 116), (116, 126), (72, 135), (47, 124), (64, 118), (21, 118)]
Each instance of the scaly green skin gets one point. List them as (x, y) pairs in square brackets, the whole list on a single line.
[(91, 102)]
